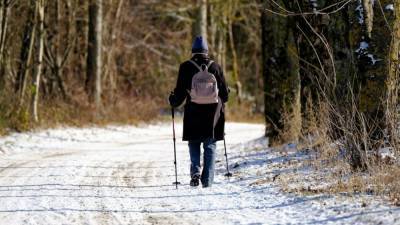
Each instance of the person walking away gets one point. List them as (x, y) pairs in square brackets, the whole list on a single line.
[(202, 84)]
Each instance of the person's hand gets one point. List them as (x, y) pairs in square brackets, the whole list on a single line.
[(172, 99)]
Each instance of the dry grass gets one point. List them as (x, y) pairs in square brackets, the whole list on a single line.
[(243, 112), (120, 109), (331, 173), (13, 117), (331, 170), (124, 111), (55, 112)]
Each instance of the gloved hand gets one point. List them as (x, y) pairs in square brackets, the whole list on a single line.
[(172, 99)]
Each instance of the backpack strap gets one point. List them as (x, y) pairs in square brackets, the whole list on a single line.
[(195, 64), (210, 63), (200, 67)]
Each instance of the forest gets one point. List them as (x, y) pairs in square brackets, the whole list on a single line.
[(70, 61), (323, 73)]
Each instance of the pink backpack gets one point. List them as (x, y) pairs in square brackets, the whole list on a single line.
[(204, 88)]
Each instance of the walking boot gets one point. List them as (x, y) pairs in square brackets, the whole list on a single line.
[(195, 181)]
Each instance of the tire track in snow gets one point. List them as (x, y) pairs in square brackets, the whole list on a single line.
[(16, 183)]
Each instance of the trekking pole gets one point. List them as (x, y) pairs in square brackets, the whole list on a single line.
[(228, 174), (173, 130)]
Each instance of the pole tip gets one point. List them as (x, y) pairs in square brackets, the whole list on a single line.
[(228, 174)]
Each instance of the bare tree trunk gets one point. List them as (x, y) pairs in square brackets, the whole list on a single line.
[(221, 49), (26, 55), (81, 41), (212, 31), (4, 25), (368, 6), (393, 82), (281, 77), (36, 83), (94, 57), (58, 56), (201, 20), (2, 31), (109, 75), (378, 68), (235, 67), (4, 13), (222, 38)]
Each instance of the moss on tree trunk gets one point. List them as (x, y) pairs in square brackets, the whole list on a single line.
[(378, 66)]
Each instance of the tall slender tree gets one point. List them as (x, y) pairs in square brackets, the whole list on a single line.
[(5, 8), (94, 56), (200, 27), (36, 81), (26, 53), (232, 10), (109, 74)]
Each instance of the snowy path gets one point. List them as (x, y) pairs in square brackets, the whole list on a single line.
[(123, 175)]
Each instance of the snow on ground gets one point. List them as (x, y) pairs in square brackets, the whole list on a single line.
[(124, 175)]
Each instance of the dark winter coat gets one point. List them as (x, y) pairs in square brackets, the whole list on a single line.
[(198, 120)]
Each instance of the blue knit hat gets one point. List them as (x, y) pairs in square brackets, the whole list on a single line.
[(200, 45)]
